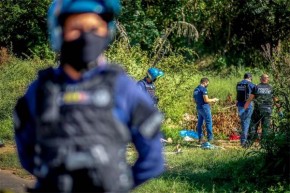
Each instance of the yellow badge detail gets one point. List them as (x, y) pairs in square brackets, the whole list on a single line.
[(74, 97)]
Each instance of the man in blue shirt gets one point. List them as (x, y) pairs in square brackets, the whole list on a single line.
[(73, 124), (244, 89), (202, 101)]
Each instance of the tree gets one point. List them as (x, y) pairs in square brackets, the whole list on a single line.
[(23, 26)]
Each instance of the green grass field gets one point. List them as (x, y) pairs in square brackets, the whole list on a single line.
[(194, 170), (219, 170)]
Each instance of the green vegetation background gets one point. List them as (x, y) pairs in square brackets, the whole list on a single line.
[(174, 89), (195, 170)]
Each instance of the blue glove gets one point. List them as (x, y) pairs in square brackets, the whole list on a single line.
[(241, 112)]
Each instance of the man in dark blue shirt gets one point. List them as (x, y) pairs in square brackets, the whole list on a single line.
[(202, 101), (244, 89), (147, 84), (73, 124)]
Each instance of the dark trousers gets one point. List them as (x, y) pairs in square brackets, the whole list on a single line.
[(263, 117)]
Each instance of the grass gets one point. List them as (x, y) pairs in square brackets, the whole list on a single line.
[(15, 76), (9, 161), (193, 170), (198, 170)]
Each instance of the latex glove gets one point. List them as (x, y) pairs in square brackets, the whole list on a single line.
[(216, 99), (241, 112)]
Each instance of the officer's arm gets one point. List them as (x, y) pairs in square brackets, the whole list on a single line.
[(248, 102), (24, 132), (146, 138), (144, 122), (141, 85), (208, 100)]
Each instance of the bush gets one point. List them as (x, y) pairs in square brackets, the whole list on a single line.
[(15, 76), (23, 27), (277, 144)]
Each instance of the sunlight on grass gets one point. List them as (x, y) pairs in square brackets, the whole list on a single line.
[(193, 170), (198, 170)]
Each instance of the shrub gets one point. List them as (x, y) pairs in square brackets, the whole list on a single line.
[(15, 76), (277, 143)]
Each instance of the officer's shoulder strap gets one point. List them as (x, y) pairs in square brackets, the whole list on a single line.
[(244, 83), (46, 74), (115, 68), (241, 83)]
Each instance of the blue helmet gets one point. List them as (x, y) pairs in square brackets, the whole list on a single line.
[(154, 73), (106, 8)]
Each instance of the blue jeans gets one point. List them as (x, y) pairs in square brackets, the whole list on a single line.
[(245, 117), (204, 114)]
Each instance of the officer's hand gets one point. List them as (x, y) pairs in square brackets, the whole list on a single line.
[(215, 100), (242, 111)]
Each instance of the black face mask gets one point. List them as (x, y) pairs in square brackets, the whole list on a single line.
[(83, 51)]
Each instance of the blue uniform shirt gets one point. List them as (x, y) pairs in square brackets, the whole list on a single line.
[(150, 162), (251, 88), (198, 94)]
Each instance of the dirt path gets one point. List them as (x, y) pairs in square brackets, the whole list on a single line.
[(12, 183), (9, 181), (7, 148)]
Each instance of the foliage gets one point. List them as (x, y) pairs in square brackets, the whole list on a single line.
[(15, 75), (197, 170), (23, 27), (277, 143), (193, 170), (231, 30)]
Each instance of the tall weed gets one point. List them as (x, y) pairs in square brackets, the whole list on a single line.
[(277, 143), (15, 76)]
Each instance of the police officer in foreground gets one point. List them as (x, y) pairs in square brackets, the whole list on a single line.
[(73, 124), (147, 84), (244, 88), (263, 104)]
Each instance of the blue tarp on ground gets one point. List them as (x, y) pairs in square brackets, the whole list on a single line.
[(188, 133)]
